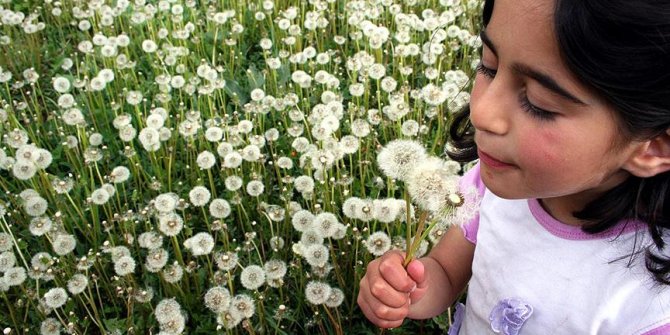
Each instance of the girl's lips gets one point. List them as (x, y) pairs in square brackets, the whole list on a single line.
[(490, 161)]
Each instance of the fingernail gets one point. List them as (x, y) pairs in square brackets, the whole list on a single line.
[(413, 288)]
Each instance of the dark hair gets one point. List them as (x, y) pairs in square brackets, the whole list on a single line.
[(620, 49)]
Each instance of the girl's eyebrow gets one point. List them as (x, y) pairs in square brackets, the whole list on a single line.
[(542, 78)]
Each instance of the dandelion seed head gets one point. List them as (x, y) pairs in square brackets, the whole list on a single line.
[(64, 244), (252, 277), (150, 240), (40, 225), (229, 318), (378, 243), (316, 254), (302, 220), (335, 298), (5, 242), (119, 174), (166, 202), (55, 297), (199, 196), (173, 273), (244, 304), (200, 244), (275, 269), (124, 266), (41, 261), (255, 188), (232, 160), (317, 292), (24, 169), (226, 261), (217, 299), (206, 160), (14, 276), (175, 325), (50, 326), (100, 196), (325, 224), (7, 260), (166, 310), (77, 283), (214, 134), (430, 185), (399, 157)]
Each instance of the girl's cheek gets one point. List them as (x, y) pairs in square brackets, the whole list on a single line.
[(541, 149)]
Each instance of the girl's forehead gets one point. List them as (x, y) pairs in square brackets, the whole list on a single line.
[(522, 33)]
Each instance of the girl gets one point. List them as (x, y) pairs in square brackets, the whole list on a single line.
[(570, 118)]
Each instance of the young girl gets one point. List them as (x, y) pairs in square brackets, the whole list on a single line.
[(570, 118)]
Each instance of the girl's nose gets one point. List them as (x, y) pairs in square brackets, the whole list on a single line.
[(490, 104)]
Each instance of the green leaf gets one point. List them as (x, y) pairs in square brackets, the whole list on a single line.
[(256, 78)]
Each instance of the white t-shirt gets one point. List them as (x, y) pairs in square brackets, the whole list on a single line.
[(532, 274)]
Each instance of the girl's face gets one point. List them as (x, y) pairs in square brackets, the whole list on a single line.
[(540, 132)]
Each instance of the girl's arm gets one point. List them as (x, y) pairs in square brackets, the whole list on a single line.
[(447, 269)]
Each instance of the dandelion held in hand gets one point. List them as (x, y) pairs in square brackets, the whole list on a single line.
[(431, 183)]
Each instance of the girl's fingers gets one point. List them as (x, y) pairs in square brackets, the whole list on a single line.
[(372, 284), (380, 314), (393, 272)]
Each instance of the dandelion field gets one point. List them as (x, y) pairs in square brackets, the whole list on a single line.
[(213, 166)]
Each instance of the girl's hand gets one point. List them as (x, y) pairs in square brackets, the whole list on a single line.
[(388, 289)]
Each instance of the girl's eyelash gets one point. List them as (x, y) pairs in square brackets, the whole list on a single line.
[(488, 72), (535, 111)]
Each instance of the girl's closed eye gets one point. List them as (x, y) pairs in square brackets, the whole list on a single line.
[(534, 111), (486, 71), (526, 105)]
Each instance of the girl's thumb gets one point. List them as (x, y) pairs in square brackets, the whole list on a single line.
[(416, 271)]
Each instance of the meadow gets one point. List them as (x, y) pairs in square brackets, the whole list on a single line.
[(220, 166)]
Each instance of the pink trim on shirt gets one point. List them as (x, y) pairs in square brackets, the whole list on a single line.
[(662, 330), (569, 232)]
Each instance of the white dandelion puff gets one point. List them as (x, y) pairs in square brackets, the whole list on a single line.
[(200, 244), (317, 292), (166, 202), (233, 183), (100, 196), (199, 196), (302, 220), (50, 326), (206, 160), (226, 261), (77, 284), (64, 244), (316, 254), (166, 310), (398, 157), (335, 298), (325, 224), (24, 169), (55, 297), (378, 243), (274, 269), (252, 277), (124, 265), (217, 299), (15, 276), (170, 224), (430, 185), (255, 188), (219, 208), (244, 304)]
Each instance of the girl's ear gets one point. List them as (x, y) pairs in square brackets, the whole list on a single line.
[(651, 158)]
